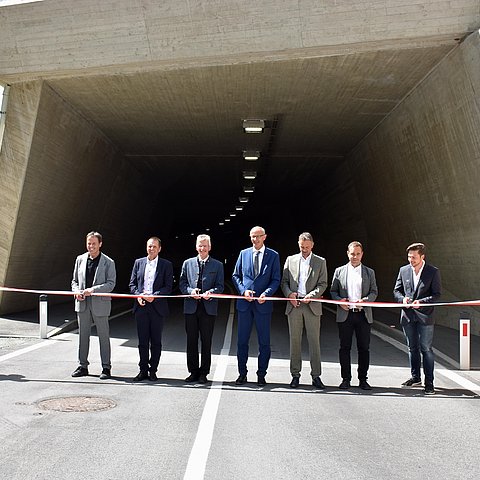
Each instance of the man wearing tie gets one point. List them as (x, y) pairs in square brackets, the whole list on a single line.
[(94, 272), (151, 276), (200, 277), (354, 282), (304, 277), (256, 274), (418, 283)]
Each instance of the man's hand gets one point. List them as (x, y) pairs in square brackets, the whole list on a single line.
[(195, 293), (262, 298), (249, 295), (80, 296), (345, 307), (294, 300)]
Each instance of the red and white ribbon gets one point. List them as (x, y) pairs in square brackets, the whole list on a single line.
[(467, 303)]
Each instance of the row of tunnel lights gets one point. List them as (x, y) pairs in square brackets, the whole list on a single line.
[(249, 126), (255, 127)]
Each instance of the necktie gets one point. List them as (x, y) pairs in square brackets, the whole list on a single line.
[(200, 275), (256, 266)]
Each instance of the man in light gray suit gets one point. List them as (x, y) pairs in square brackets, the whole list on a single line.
[(354, 282), (304, 277), (94, 272)]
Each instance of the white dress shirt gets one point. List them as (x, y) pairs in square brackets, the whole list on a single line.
[(303, 275), (354, 283), (416, 277), (149, 277), (260, 257)]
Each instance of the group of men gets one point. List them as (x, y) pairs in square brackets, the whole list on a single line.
[(257, 275)]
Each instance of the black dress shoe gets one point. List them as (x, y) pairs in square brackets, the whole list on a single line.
[(364, 385), (141, 376), (193, 377), (241, 380), (345, 385), (317, 383), (202, 379), (153, 377), (295, 382), (106, 374), (261, 380), (80, 372)]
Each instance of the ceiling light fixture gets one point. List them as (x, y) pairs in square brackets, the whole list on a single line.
[(249, 174), (251, 155), (253, 126), (248, 188), (239, 208), (233, 214), (227, 220), (242, 200)]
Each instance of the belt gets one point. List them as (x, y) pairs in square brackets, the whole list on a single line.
[(356, 310)]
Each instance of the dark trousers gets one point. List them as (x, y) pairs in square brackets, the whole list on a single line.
[(245, 325), (199, 324), (149, 330), (357, 323)]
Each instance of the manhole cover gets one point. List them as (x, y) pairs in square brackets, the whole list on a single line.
[(76, 404)]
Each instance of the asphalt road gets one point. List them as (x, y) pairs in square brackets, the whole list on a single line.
[(173, 430)]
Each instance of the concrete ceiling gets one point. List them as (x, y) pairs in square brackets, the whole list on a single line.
[(185, 125)]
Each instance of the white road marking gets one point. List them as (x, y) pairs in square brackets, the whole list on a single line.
[(197, 460), (31, 348)]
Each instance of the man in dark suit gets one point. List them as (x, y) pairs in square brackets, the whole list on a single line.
[(354, 282), (200, 277), (94, 272), (151, 275), (304, 277), (418, 283), (256, 274)]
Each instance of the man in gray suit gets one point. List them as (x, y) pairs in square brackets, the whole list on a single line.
[(200, 277), (304, 277), (354, 282), (94, 272)]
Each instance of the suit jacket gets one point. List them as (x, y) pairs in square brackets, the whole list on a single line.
[(212, 281), (267, 281), (162, 284), (428, 290), (339, 290), (103, 282), (316, 280)]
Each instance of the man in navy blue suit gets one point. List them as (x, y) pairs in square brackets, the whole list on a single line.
[(256, 274), (151, 275), (417, 284), (200, 277)]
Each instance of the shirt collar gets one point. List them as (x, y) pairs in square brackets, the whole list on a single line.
[(152, 262), (421, 268), (303, 259), (204, 260), (355, 269), (261, 250)]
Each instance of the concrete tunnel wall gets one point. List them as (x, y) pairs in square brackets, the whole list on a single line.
[(414, 178)]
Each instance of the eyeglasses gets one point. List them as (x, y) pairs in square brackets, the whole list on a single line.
[(257, 236)]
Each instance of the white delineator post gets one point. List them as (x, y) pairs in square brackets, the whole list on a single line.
[(43, 315), (464, 344)]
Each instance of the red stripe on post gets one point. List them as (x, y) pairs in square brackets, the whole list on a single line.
[(465, 330)]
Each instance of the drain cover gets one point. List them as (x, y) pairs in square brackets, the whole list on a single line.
[(76, 404)]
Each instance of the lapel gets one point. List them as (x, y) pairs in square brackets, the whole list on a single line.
[(99, 266), (141, 270), (365, 282), (343, 277)]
